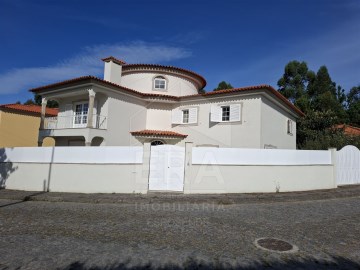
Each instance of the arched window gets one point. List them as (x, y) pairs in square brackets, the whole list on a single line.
[(160, 83), (157, 142)]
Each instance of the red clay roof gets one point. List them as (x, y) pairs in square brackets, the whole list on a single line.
[(30, 109), (251, 88), (201, 78), (349, 130), (165, 133), (112, 58), (91, 79)]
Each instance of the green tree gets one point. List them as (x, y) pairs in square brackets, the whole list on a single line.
[(326, 96), (223, 85), (29, 102), (324, 103), (202, 91), (318, 131), (353, 106), (293, 83), (50, 103)]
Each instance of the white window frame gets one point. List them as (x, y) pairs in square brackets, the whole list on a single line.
[(234, 114), (83, 115), (162, 79), (178, 116), (223, 111)]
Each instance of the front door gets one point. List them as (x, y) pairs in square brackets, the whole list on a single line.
[(81, 114), (167, 164)]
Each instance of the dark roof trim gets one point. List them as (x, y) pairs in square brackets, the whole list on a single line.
[(115, 60)]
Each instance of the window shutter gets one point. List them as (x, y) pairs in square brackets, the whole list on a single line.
[(176, 116), (193, 115), (215, 113), (235, 112)]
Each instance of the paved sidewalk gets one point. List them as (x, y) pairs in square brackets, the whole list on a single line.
[(162, 231), (226, 199)]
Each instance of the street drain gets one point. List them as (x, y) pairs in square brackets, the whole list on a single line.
[(275, 245)]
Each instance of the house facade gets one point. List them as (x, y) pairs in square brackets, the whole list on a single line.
[(19, 125), (138, 103)]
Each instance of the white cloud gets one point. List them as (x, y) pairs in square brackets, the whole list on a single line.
[(87, 63)]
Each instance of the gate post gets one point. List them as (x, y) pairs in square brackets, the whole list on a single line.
[(143, 179), (187, 167), (333, 162)]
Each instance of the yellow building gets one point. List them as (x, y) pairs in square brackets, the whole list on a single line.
[(19, 125)]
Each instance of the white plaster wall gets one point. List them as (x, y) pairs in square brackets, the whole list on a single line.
[(100, 100), (274, 126), (159, 116), (249, 179), (125, 114), (27, 176), (82, 178), (89, 178), (143, 82), (243, 134)]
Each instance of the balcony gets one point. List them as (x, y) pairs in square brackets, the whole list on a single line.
[(74, 121)]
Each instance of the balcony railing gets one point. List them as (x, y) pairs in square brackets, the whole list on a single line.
[(74, 121)]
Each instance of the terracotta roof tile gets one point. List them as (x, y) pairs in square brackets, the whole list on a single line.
[(201, 78), (91, 79), (349, 130), (30, 109), (251, 88), (111, 58), (148, 132)]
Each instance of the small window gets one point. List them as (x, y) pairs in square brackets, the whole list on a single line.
[(156, 142), (225, 113), (185, 116), (160, 83), (289, 127)]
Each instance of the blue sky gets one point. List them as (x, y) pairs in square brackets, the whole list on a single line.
[(242, 42)]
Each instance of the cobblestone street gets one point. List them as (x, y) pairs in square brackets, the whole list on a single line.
[(65, 231)]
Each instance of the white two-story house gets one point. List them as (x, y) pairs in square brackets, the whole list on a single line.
[(137, 103)]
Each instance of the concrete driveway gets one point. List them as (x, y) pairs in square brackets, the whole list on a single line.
[(161, 231)]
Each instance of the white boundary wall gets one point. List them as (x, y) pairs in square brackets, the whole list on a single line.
[(236, 170), (75, 169), (85, 155), (126, 169), (240, 156)]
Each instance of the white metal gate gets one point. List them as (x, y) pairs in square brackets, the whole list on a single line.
[(167, 164), (348, 166)]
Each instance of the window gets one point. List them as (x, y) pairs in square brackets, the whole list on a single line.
[(225, 116), (157, 142), (289, 126), (160, 83), (225, 113), (185, 116), (81, 114)]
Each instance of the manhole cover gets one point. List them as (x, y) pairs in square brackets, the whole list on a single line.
[(277, 245)]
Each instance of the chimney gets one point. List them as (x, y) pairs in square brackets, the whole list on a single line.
[(113, 69)]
